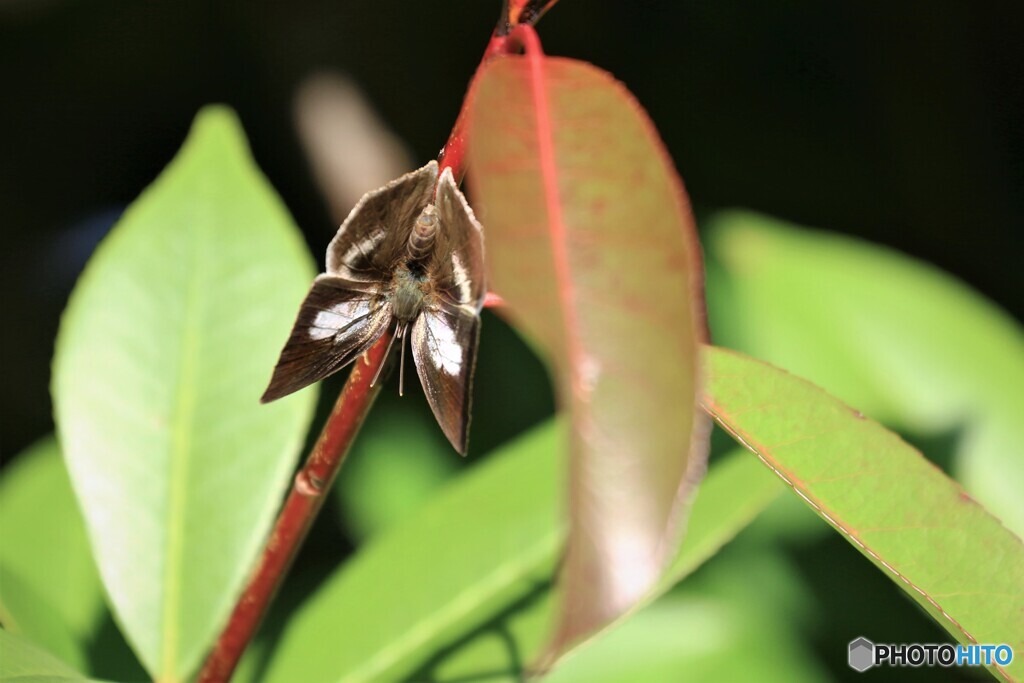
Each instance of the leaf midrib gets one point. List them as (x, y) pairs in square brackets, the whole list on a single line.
[(181, 424), (558, 230)]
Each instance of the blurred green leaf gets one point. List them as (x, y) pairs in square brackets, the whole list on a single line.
[(463, 587), (939, 545), (712, 628), (592, 245), (164, 349), (471, 550), (734, 492), (49, 589), (696, 639), (399, 460), (896, 338), (24, 662)]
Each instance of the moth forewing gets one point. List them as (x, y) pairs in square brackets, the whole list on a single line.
[(376, 233), (458, 268), (338, 320)]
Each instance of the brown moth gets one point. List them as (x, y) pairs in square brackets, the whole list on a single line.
[(409, 256)]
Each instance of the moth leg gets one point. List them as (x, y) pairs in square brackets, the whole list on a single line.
[(401, 367), (384, 360)]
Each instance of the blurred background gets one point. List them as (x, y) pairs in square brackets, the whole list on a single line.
[(901, 123)]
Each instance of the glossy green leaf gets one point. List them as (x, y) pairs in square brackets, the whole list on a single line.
[(896, 338), (918, 526), (163, 351), (49, 591), (399, 460), (471, 550), (713, 627), (735, 491), (721, 625), (591, 243), (24, 662), (689, 640), (489, 543)]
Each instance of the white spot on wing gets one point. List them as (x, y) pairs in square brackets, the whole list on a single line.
[(330, 322), (444, 347), (363, 247), (461, 278)]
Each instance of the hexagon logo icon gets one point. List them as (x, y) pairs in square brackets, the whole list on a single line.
[(862, 654)]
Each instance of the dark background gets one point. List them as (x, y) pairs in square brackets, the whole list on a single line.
[(899, 122)]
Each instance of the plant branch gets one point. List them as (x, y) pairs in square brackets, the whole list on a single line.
[(527, 12), (304, 501), (317, 474), (513, 14)]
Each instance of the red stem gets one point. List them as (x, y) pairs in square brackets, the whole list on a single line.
[(314, 479), (300, 509), (516, 13), (453, 154)]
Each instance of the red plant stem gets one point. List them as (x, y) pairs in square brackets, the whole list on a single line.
[(453, 154), (304, 501), (316, 476), (516, 13)]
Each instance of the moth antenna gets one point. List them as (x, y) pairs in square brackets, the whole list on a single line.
[(401, 367), (383, 361)]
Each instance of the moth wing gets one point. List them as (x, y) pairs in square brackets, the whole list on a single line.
[(337, 322), (377, 230), (444, 343), (456, 266)]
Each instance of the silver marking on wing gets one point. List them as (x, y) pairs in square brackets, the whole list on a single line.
[(461, 278), (339, 318), (445, 348), (357, 257)]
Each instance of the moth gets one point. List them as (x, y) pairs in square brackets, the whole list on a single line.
[(409, 258)]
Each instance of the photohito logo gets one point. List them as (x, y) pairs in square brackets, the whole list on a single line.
[(864, 654)]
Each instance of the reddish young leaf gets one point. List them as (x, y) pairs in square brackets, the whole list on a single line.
[(591, 244)]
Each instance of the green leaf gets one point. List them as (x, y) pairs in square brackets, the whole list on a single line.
[(918, 526), (163, 351), (470, 551), (463, 587), (722, 624), (705, 630), (24, 662), (897, 338), (400, 459), (735, 491), (687, 640), (49, 591), (591, 243)]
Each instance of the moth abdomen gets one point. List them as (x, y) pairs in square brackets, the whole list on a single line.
[(424, 232)]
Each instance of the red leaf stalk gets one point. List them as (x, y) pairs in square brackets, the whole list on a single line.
[(453, 154), (516, 13), (304, 501), (314, 479)]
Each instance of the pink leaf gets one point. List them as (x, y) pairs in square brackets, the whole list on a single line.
[(591, 244)]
